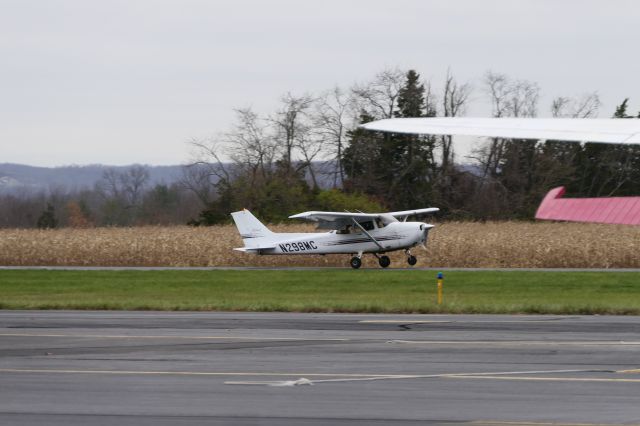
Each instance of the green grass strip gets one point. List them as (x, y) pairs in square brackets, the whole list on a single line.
[(324, 291)]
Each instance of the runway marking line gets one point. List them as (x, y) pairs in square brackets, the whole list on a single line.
[(281, 374), (189, 373), (412, 376), (126, 336), (402, 322), (374, 321), (519, 342), (635, 370), (302, 339), (342, 377), (547, 379), (529, 423)]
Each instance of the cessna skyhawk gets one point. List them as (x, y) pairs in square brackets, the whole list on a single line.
[(350, 233)]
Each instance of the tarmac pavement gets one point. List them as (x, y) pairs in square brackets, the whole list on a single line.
[(143, 368)]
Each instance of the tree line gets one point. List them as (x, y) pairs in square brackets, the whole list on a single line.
[(309, 153), (273, 155), (119, 198)]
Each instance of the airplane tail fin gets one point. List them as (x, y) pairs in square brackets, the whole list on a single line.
[(252, 231)]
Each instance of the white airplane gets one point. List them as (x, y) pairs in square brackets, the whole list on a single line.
[(351, 233)]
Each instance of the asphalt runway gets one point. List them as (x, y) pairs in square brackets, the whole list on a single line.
[(144, 368)]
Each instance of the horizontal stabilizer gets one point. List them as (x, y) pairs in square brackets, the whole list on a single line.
[(254, 249)]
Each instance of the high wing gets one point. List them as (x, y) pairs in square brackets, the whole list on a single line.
[(338, 220), (334, 220), (619, 131), (404, 214)]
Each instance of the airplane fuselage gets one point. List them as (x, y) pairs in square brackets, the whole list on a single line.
[(395, 236), (352, 233)]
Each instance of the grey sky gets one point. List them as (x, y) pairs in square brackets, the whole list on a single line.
[(119, 82)]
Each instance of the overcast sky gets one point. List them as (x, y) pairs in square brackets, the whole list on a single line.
[(121, 82)]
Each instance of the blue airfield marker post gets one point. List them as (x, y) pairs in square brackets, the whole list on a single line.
[(440, 281)]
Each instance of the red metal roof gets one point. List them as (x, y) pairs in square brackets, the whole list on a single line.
[(618, 210)]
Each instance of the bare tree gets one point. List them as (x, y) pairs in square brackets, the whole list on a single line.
[(197, 178), (587, 106), (454, 101), (291, 125), (122, 193), (109, 185), (509, 98), (311, 149), (126, 186), (251, 143), (133, 182), (379, 97), (456, 96), (498, 88), (206, 169), (559, 106), (523, 99), (584, 106), (249, 146), (331, 121)]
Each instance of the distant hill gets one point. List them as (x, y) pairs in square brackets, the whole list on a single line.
[(14, 177)]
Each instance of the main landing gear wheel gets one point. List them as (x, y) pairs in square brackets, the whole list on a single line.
[(356, 262), (384, 261), (411, 260)]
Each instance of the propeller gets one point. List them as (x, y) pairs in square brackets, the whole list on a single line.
[(425, 232)]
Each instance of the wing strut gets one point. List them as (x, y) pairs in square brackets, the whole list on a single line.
[(366, 233)]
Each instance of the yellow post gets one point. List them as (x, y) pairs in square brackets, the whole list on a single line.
[(440, 280)]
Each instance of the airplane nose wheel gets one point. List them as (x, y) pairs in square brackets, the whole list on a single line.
[(411, 260), (356, 262), (384, 261)]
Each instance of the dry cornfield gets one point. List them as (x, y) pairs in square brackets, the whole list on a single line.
[(451, 244)]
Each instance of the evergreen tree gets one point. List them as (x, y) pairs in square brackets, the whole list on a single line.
[(407, 161), (607, 170), (411, 97), (47, 219), (361, 159), (395, 169), (621, 110)]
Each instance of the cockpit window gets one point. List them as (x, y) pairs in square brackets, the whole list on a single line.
[(368, 226), (344, 230)]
